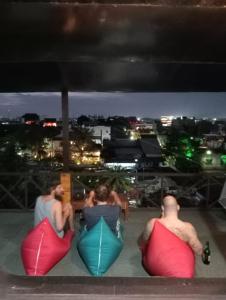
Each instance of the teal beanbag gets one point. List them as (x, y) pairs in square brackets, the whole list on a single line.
[(99, 248)]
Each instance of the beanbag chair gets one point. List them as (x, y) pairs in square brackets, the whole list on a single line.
[(167, 255), (42, 249), (99, 248)]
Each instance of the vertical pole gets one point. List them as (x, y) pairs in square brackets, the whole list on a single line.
[(65, 120), (66, 176)]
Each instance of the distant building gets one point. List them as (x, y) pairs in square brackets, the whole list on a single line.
[(78, 156), (182, 123), (122, 153), (49, 122), (152, 154), (4, 121), (213, 141), (133, 121), (30, 119), (146, 128), (141, 154), (166, 120), (100, 133)]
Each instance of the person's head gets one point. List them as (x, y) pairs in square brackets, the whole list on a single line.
[(56, 190), (102, 193), (170, 205)]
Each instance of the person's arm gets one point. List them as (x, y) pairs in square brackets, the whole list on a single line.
[(148, 229), (68, 211), (194, 241), (116, 198), (89, 201), (59, 216), (144, 237)]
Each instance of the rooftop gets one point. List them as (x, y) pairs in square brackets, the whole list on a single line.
[(105, 45), (210, 225), (126, 279)]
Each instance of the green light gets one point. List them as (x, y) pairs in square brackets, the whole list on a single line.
[(223, 159), (189, 153)]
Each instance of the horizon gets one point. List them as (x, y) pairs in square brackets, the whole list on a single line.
[(143, 105)]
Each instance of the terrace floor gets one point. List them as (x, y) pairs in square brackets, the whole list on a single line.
[(211, 225)]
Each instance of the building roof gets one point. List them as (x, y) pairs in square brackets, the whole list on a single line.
[(128, 151), (105, 45), (150, 147)]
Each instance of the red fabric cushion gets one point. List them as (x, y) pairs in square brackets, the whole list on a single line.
[(42, 249), (167, 255)]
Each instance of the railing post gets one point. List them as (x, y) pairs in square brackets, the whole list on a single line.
[(65, 120)]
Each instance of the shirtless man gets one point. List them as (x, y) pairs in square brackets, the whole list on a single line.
[(184, 230), (49, 205)]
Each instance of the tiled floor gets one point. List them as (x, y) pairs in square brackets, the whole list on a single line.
[(210, 225)]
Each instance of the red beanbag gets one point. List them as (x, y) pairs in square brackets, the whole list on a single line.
[(42, 249), (167, 255)]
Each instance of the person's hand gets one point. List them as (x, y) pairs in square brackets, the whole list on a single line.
[(67, 208), (116, 199), (89, 202)]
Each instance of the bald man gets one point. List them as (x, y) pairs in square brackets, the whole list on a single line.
[(184, 230)]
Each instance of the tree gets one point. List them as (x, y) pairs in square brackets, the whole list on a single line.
[(204, 127), (83, 120), (117, 180), (185, 150), (118, 126), (10, 160), (82, 142), (32, 138)]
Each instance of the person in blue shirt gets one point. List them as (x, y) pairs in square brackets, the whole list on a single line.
[(102, 202)]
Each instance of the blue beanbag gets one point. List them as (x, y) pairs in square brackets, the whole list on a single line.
[(99, 248)]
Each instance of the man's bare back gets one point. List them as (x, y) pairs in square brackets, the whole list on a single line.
[(184, 230), (178, 227)]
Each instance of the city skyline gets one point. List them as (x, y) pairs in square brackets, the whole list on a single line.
[(108, 104)]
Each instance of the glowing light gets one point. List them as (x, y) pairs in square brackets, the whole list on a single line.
[(49, 124)]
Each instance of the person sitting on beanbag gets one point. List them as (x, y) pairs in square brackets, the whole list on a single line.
[(169, 244), (46, 244), (50, 206), (100, 241), (102, 208)]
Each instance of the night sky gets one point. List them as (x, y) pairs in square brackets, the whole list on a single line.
[(109, 104)]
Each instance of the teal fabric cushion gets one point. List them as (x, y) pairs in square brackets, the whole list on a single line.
[(99, 248)]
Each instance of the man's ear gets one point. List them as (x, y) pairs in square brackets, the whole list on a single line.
[(178, 207), (162, 208)]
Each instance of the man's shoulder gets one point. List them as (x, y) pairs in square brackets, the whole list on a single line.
[(57, 204), (188, 227), (152, 221)]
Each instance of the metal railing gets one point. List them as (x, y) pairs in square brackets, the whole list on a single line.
[(20, 190)]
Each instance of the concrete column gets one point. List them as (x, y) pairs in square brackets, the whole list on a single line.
[(65, 140)]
